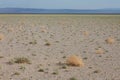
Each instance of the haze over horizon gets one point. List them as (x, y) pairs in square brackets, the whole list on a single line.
[(60, 4)]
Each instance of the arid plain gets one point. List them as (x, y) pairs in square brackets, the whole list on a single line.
[(36, 47)]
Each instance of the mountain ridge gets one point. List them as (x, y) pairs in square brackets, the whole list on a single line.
[(69, 11)]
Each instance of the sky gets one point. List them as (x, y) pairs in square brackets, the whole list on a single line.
[(60, 4)]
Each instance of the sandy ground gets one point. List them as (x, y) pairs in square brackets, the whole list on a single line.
[(48, 40)]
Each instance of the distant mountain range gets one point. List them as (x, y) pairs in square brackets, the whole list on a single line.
[(61, 11)]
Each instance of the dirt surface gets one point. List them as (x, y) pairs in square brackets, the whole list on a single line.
[(35, 47)]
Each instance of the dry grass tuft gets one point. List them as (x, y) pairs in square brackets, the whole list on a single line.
[(19, 60), (40, 70), (47, 44), (11, 29), (110, 40), (43, 29), (1, 56), (16, 73), (22, 60), (75, 61), (99, 51), (1, 37), (73, 78), (86, 33)]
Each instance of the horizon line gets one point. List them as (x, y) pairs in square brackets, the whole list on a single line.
[(60, 8)]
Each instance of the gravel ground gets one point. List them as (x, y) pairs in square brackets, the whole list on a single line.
[(35, 47)]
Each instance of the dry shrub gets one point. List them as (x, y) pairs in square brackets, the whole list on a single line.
[(99, 51), (21, 27), (73, 60), (44, 29), (11, 29), (86, 33), (110, 40), (20, 60), (47, 44), (1, 36)]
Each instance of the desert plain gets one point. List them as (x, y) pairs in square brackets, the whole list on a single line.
[(36, 47)]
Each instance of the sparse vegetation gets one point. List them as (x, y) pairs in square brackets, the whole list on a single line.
[(47, 44), (19, 60), (64, 56), (73, 78), (10, 62), (90, 67), (1, 37), (33, 42), (43, 30), (55, 73), (16, 73), (96, 71), (75, 61), (33, 54), (84, 51), (86, 33), (0, 67), (100, 51), (110, 40), (64, 67), (11, 29), (85, 58), (40, 70), (22, 68), (95, 38), (1, 56)]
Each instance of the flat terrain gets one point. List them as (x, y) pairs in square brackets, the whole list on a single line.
[(35, 47)]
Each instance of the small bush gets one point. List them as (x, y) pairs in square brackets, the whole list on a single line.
[(16, 73), (64, 67), (55, 73), (73, 78), (40, 70), (1, 57), (1, 36), (33, 42), (73, 60), (20, 60), (99, 51), (47, 44), (110, 40)]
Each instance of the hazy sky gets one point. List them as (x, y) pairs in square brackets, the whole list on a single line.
[(61, 4)]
